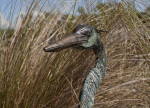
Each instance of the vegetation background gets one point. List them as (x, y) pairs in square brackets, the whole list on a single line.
[(31, 78)]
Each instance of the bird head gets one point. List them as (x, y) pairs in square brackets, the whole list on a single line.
[(83, 36)]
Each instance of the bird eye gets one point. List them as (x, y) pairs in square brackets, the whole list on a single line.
[(88, 33), (81, 31), (85, 31)]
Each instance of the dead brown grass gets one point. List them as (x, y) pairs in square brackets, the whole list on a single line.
[(32, 78)]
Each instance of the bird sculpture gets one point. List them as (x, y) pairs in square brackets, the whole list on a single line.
[(84, 37)]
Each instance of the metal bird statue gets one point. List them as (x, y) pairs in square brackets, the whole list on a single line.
[(83, 37)]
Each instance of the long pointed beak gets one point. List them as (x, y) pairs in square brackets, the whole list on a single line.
[(66, 42)]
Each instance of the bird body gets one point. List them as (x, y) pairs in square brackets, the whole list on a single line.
[(84, 37)]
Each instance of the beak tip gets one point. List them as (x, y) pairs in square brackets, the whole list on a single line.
[(45, 49), (49, 50)]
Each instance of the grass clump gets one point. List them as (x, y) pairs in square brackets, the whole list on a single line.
[(29, 77)]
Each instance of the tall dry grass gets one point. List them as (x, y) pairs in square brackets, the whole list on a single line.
[(29, 77)]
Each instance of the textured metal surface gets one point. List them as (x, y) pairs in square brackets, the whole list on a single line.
[(94, 78), (84, 36), (66, 42)]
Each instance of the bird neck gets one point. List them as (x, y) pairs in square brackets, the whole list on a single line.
[(94, 78), (99, 52), (98, 49), (100, 56)]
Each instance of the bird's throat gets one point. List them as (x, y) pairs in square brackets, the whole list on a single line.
[(94, 78)]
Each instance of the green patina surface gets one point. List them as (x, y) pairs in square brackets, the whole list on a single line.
[(96, 75), (92, 40)]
